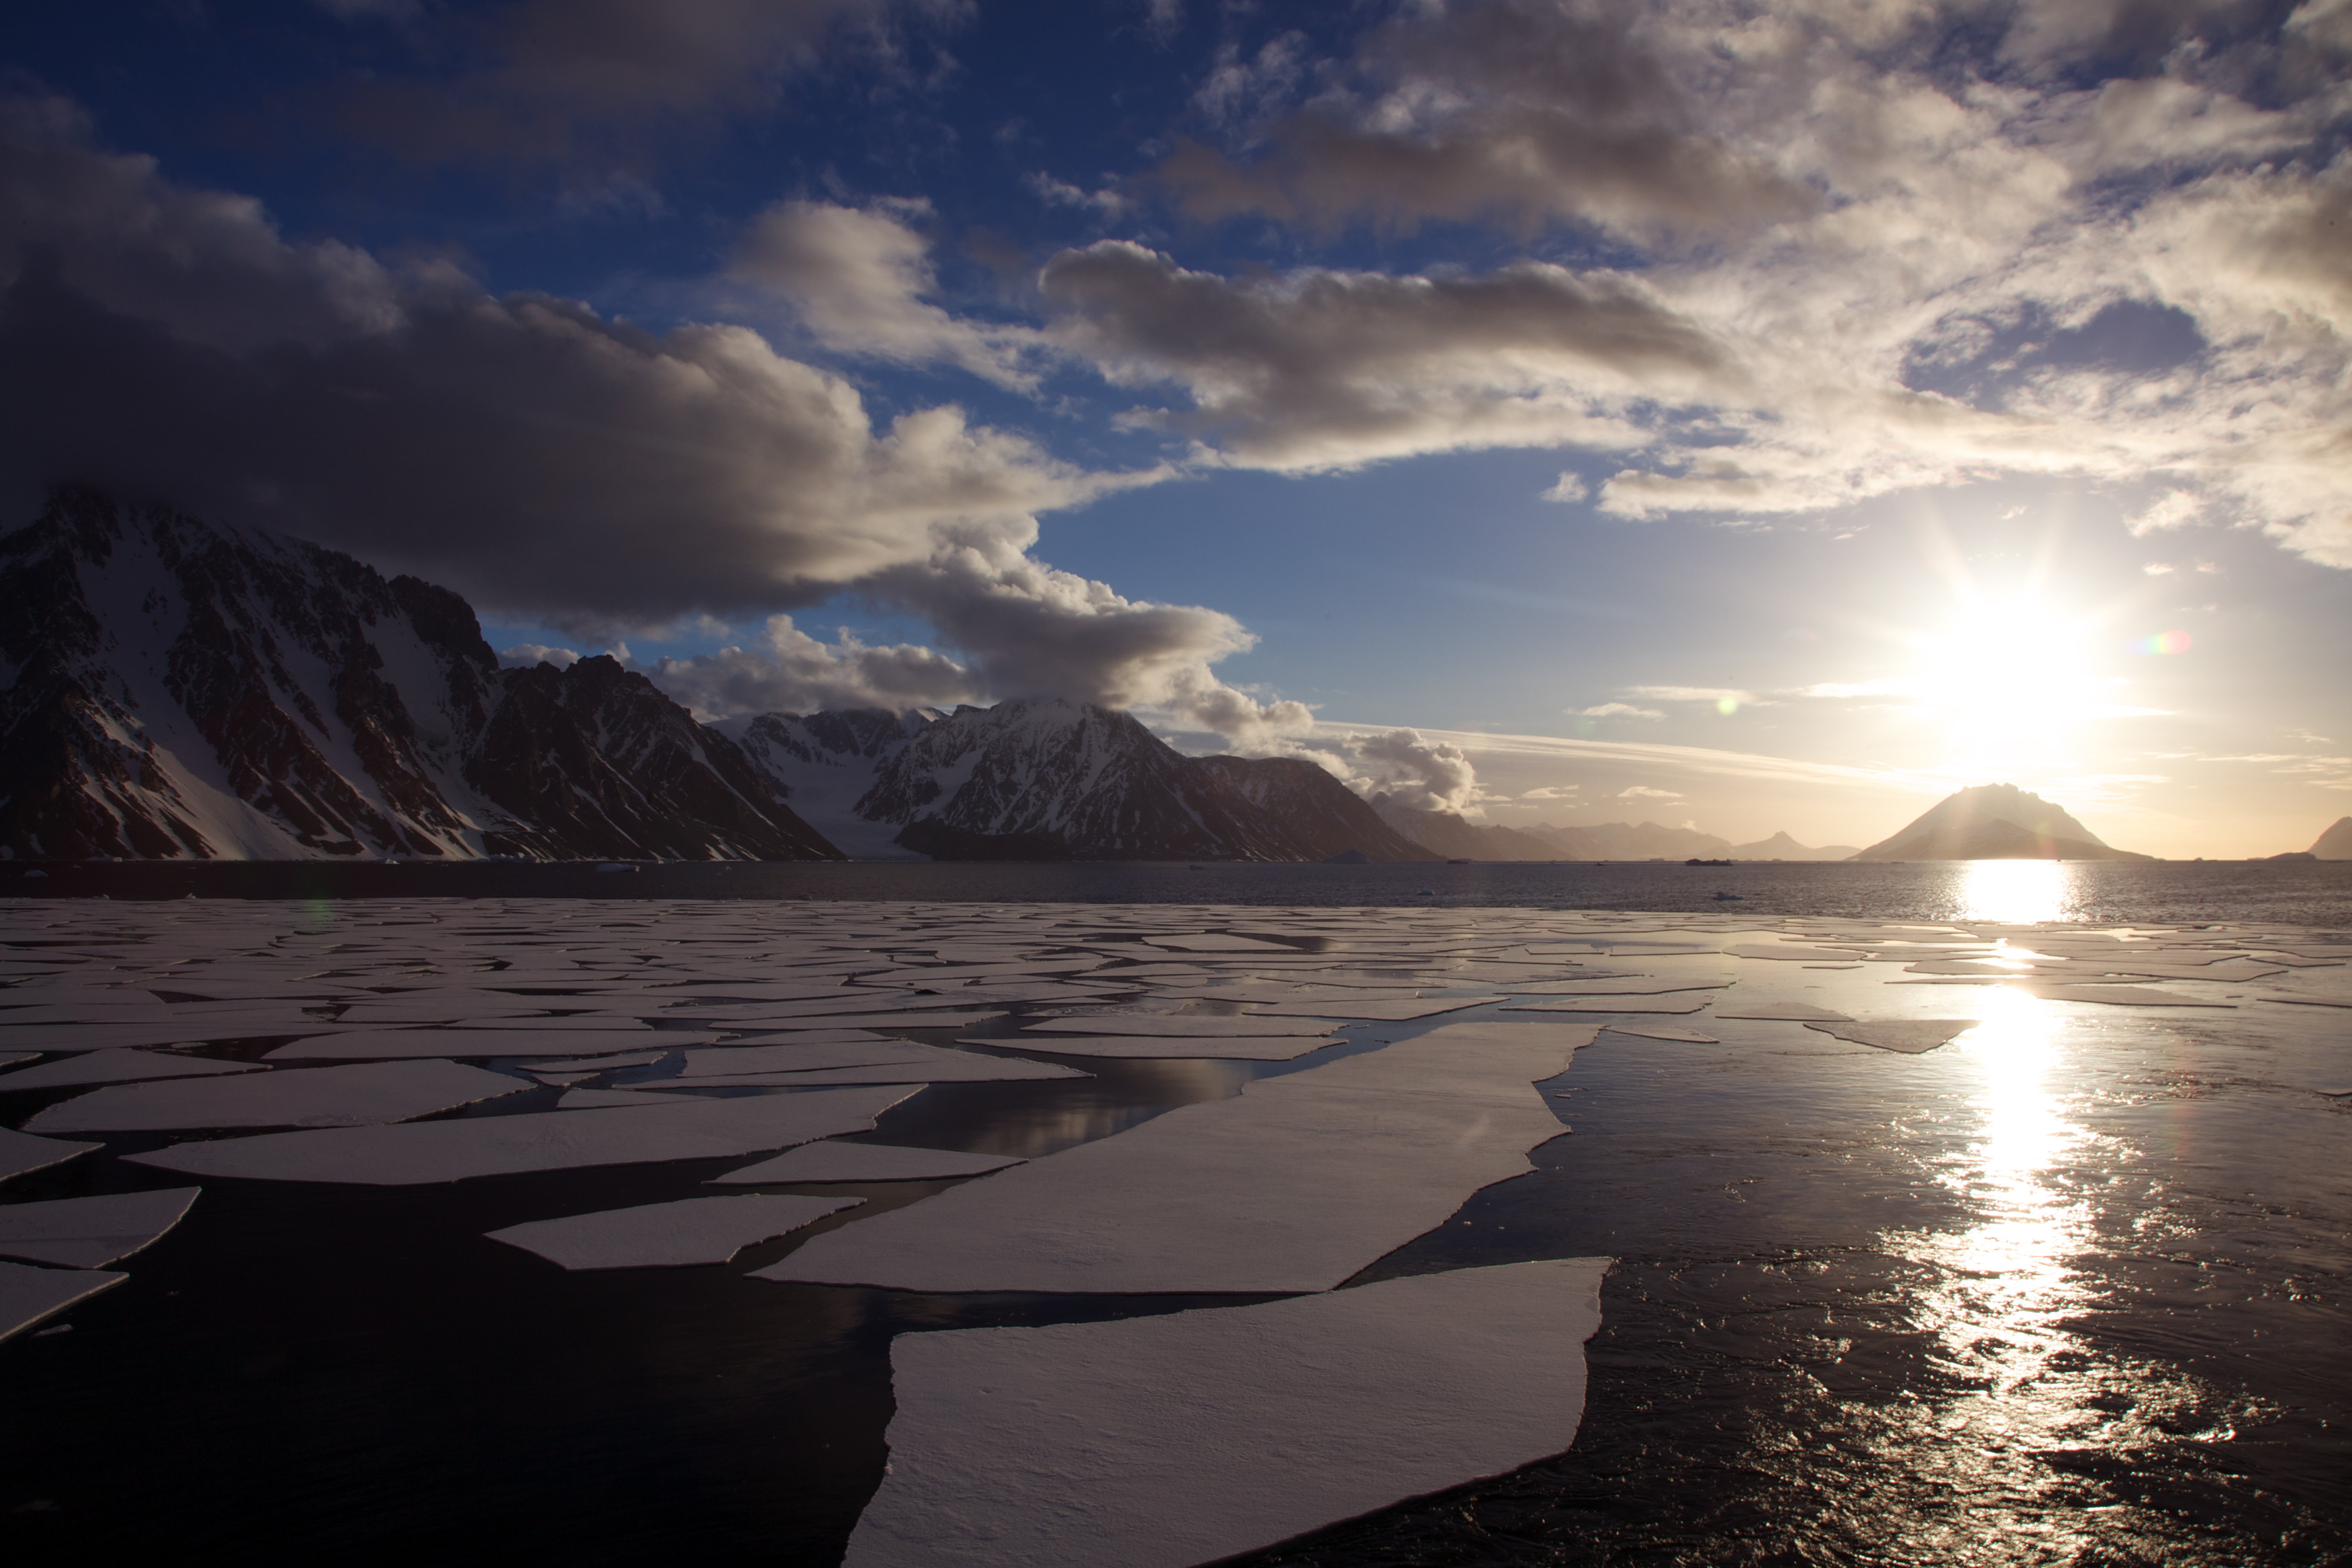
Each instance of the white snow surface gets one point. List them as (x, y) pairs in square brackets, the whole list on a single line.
[(1166, 1442)]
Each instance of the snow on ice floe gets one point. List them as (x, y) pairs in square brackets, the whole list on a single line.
[(949, 1067), (1912, 1037), (91, 1233), (103, 1036), (835, 1162), (1294, 1185), (21, 1151), (27, 1295), (1149, 1047), (1660, 1032), (120, 1067), (316, 1096), (668, 1236), (1165, 1442), (373, 1045), (1783, 1011), (599, 1099), (599, 1064), (418, 1152), (895, 1020)]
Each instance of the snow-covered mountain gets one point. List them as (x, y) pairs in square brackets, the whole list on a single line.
[(1995, 822), (176, 689), (1045, 779)]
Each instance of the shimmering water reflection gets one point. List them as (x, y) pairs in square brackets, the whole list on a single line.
[(2019, 892)]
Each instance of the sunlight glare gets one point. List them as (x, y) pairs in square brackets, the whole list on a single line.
[(2014, 892), (2012, 680)]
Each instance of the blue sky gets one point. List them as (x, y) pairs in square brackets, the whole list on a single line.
[(1757, 417)]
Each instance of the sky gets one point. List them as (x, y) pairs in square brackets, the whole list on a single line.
[(1757, 417)]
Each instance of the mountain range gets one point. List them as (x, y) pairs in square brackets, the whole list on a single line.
[(176, 688)]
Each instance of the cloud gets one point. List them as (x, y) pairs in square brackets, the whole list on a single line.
[(858, 279), (542, 458), (1322, 369), (1642, 792), (1618, 710), (526, 655), (1426, 775), (1571, 487), (791, 672), (1104, 203), (593, 87), (2174, 508), (1549, 791), (1696, 694), (1526, 111)]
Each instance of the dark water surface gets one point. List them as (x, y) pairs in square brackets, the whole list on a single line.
[(2069, 1290), (2306, 893)]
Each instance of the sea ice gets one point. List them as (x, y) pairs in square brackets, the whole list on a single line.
[(832, 1161), (1784, 1012), (542, 1140), (1657, 1032), (1912, 1037), (21, 1151), (1146, 1047), (666, 1235), (1397, 1011), (91, 1233), (597, 1099), (318, 1097), (28, 1295), (1163, 1442), (120, 1067), (371, 1045), (1606, 1004), (948, 1066), (601, 1064), (1294, 1185), (1198, 1027)]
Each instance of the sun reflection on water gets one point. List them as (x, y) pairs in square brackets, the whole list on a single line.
[(2015, 893)]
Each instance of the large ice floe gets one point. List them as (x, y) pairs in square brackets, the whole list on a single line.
[(662, 1236), (1295, 1184), (1169, 1441)]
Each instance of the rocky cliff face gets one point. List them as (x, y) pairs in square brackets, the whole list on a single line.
[(171, 688), (1044, 779)]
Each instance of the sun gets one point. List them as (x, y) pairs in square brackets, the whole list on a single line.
[(2010, 681)]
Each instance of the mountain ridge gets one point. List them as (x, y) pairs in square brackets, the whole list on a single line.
[(1994, 822)]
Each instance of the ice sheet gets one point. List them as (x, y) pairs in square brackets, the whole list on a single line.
[(601, 1064), (1621, 1005), (21, 1151), (1912, 1037), (371, 1044), (668, 1236), (1396, 1012), (315, 1097), (1247, 1048), (1783, 1011), (91, 1233), (1197, 1026), (1294, 1185), (948, 1066), (832, 1161), (28, 1295), (119, 1066), (542, 1141), (1163, 1442)]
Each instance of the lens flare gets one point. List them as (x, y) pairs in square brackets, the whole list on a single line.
[(2162, 642)]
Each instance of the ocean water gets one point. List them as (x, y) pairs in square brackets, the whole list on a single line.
[(2077, 1290), (2303, 893)]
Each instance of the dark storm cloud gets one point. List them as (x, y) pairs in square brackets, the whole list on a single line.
[(1327, 369)]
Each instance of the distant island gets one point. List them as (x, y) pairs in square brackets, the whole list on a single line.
[(1995, 822)]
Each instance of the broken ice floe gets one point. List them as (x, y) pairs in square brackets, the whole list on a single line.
[(91, 1233), (315, 1097), (1246, 1047), (1294, 1185), (27, 1295), (666, 1236), (21, 1151), (542, 1141), (832, 1161), (1164, 1442), (1912, 1037), (120, 1067), (1205, 1026), (368, 1044)]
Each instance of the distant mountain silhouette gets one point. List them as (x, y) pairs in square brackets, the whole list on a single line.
[(1456, 837), (1995, 822), (1780, 847), (2336, 844)]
